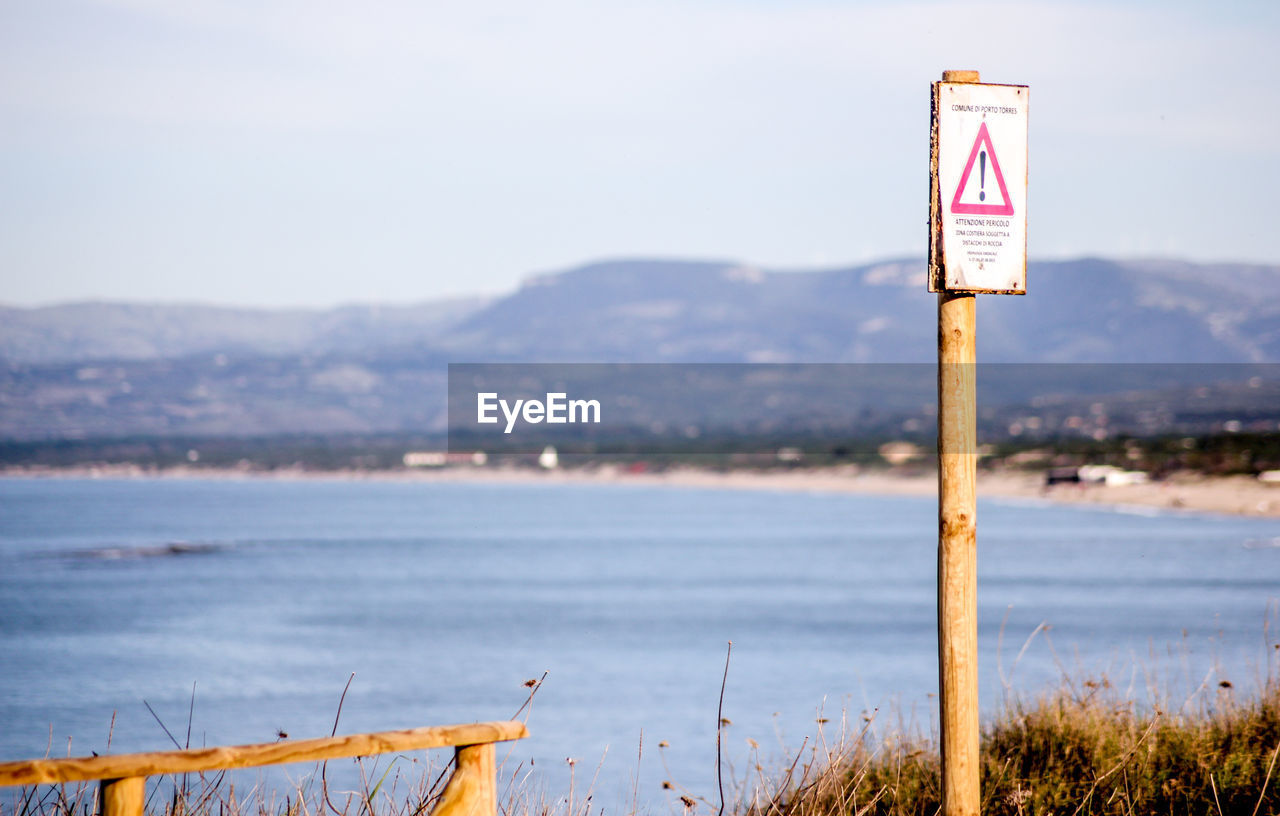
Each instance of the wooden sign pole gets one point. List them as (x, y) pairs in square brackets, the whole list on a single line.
[(957, 544)]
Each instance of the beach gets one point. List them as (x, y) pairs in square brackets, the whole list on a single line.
[(1237, 495), (1230, 495)]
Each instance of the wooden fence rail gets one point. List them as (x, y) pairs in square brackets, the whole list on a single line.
[(470, 791)]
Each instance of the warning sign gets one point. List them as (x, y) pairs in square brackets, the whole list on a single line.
[(978, 237), (973, 197)]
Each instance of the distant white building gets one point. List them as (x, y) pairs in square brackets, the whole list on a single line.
[(434, 459), (1112, 476), (899, 453), (549, 459)]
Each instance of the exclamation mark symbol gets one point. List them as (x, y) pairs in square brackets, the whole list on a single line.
[(982, 175)]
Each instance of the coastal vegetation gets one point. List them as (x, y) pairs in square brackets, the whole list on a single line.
[(1084, 748), (1218, 454)]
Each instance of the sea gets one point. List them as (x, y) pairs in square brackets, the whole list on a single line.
[(140, 614)]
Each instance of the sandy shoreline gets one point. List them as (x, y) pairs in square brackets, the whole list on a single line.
[(1231, 495)]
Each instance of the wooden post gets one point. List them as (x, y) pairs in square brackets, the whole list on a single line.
[(195, 760), (473, 786), (957, 544), (122, 797), (472, 789)]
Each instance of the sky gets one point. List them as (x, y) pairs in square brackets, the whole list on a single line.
[(290, 153)]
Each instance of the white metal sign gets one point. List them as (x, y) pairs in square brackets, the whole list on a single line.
[(978, 235)]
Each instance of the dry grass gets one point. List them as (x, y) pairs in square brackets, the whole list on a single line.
[(1085, 748)]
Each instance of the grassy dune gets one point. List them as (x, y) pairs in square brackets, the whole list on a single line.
[(1085, 748)]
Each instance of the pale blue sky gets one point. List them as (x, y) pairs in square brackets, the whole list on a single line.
[(284, 152)]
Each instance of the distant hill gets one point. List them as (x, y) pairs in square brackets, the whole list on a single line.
[(1088, 310), (79, 332), (1077, 311), (122, 369)]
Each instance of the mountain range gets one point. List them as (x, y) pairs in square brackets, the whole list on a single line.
[(115, 369)]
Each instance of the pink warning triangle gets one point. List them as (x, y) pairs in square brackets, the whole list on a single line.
[(960, 208)]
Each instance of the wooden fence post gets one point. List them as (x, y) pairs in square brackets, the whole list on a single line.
[(122, 797), (473, 788)]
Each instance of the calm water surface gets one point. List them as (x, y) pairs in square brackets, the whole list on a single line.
[(444, 598)]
